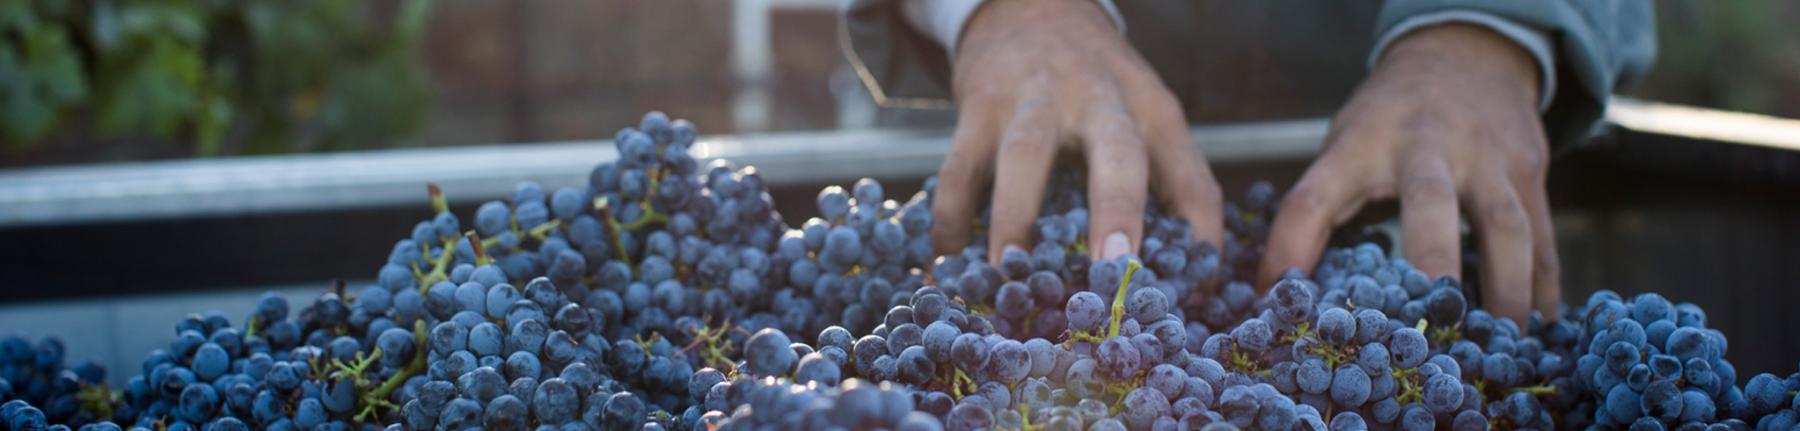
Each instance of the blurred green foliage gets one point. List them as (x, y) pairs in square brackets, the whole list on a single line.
[(218, 76), (1741, 55)]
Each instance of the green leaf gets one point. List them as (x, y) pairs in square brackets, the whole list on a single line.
[(158, 92), (16, 15), (411, 21), (23, 117), (42, 77), (52, 60)]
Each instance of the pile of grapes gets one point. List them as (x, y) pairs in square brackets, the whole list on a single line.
[(667, 295)]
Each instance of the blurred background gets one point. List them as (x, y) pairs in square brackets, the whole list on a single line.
[(104, 81), (90, 89)]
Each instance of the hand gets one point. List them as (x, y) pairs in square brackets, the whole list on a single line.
[(1036, 77), (1448, 116)]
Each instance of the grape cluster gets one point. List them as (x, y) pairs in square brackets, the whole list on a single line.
[(851, 263), (668, 294), (773, 403), (1648, 362), (34, 375)]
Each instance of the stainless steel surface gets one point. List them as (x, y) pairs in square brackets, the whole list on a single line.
[(313, 182)]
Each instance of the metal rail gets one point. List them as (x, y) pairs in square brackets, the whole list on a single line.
[(224, 187), (234, 186)]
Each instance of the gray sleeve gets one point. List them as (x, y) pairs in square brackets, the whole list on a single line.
[(901, 66), (1600, 46)]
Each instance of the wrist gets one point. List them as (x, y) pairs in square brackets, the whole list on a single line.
[(998, 20), (1468, 52)]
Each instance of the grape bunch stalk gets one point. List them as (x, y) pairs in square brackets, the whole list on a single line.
[(665, 293)]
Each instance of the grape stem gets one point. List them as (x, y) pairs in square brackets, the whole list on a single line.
[(958, 380), (438, 267), (475, 244), (613, 231), (712, 352), (1537, 391), (1025, 420), (98, 399), (1120, 389), (377, 398), (1118, 305), (644, 343), (250, 327), (354, 370), (439, 204), (1410, 388), (1081, 336)]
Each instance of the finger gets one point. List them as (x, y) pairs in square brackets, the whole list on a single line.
[(1029, 149), (1329, 190), (1183, 180), (1546, 270), (1117, 179), (1428, 217), (1506, 251), (961, 178)]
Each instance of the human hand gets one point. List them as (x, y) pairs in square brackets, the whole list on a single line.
[(1448, 116), (1036, 77)]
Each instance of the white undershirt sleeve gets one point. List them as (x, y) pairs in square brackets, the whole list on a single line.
[(943, 20)]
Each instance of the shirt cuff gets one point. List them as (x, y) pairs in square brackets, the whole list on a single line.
[(942, 20), (1534, 41)]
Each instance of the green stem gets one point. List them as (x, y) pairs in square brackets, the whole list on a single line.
[(957, 382), (1118, 305), (1025, 418), (651, 215), (98, 399), (378, 397), (354, 371), (438, 267), (475, 245), (1084, 336), (612, 230), (542, 232), (439, 203), (1537, 391)]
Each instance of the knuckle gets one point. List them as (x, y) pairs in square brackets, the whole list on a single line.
[(1529, 167), (1546, 261), (1306, 199), (1119, 205), (975, 95), (1114, 129), (1026, 137), (1505, 215), (1432, 185), (946, 209), (956, 172), (1201, 194), (1162, 106), (1426, 121), (1007, 210), (1119, 167), (1121, 153)]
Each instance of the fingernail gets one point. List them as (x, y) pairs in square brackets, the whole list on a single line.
[(1117, 245)]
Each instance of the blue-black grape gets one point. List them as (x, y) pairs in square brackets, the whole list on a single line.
[(662, 294)]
